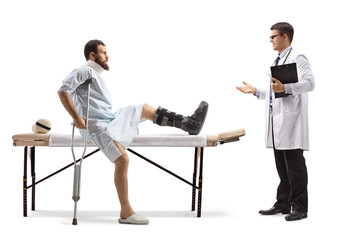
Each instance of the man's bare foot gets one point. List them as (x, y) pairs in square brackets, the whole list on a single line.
[(126, 213)]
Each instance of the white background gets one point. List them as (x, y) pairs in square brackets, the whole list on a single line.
[(175, 54)]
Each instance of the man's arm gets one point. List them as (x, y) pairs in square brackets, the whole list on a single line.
[(306, 81), (247, 88), (65, 99), (259, 93)]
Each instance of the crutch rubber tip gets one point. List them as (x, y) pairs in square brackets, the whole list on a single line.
[(74, 221)]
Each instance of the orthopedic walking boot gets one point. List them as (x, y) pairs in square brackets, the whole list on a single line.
[(192, 124)]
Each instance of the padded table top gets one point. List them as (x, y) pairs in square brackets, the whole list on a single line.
[(146, 140)]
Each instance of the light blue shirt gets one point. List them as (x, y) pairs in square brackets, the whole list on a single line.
[(104, 125), (100, 108)]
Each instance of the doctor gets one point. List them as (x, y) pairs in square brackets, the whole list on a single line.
[(287, 130)]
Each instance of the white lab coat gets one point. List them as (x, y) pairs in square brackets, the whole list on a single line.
[(290, 114)]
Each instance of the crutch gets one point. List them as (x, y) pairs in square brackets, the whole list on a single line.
[(77, 167)]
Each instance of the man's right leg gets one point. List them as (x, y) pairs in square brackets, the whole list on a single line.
[(163, 117), (282, 204), (283, 193), (148, 112)]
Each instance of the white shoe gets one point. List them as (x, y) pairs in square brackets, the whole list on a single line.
[(135, 219)]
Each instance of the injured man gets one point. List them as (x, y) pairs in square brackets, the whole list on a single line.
[(111, 131)]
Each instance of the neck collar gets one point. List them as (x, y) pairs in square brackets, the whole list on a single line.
[(99, 69)]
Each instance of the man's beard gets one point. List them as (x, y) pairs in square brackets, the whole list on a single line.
[(102, 64)]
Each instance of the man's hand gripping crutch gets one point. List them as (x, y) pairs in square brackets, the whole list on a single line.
[(77, 167)]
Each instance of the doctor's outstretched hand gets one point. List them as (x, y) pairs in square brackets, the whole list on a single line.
[(247, 88)]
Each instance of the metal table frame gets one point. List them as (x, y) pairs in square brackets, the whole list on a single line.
[(199, 154)]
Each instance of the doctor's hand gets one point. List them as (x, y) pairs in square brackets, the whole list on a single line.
[(247, 88), (80, 123), (277, 86)]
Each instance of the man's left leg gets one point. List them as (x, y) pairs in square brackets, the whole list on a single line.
[(127, 214), (298, 177)]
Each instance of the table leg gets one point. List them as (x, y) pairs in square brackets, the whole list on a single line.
[(25, 183), (32, 158), (197, 153), (200, 182)]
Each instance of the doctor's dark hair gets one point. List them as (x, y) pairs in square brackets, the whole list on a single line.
[(284, 28), (91, 46)]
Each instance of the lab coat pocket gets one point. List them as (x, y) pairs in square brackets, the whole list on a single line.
[(291, 103)]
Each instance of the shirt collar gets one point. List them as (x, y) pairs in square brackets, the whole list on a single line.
[(99, 69), (285, 52)]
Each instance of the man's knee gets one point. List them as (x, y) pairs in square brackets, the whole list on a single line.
[(148, 111), (122, 161), (147, 108)]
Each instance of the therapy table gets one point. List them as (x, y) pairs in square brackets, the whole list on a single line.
[(199, 142)]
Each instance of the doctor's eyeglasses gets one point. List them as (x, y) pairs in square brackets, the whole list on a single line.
[(274, 36)]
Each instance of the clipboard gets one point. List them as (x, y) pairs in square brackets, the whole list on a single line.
[(286, 73)]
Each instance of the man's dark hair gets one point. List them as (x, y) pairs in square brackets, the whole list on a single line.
[(284, 28), (91, 46)]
